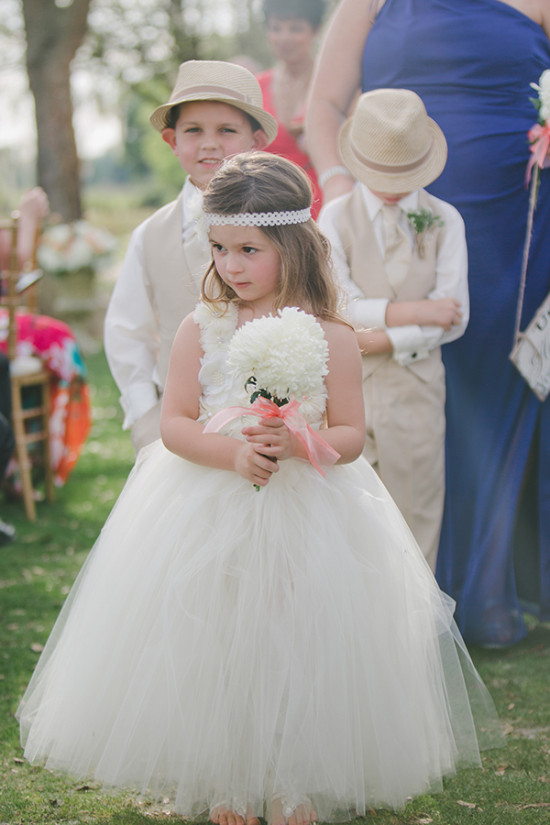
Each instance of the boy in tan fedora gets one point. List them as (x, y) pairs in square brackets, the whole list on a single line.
[(215, 111), (400, 256)]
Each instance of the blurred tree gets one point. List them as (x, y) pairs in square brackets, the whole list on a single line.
[(137, 44), (54, 31)]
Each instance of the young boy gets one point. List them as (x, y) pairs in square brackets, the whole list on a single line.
[(215, 111), (400, 256)]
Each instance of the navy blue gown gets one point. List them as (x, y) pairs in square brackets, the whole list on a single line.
[(472, 61)]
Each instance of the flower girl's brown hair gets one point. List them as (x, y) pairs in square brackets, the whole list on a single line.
[(261, 182)]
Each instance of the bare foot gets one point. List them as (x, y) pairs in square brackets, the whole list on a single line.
[(225, 816), (285, 813)]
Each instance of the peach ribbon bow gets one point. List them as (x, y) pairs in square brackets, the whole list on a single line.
[(318, 451), (539, 139)]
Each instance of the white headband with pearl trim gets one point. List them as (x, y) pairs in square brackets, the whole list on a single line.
[(259, 218)]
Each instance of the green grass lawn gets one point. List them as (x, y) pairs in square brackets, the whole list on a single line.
[(511, 788)]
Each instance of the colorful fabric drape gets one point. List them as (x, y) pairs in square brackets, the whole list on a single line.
[(70, 421)]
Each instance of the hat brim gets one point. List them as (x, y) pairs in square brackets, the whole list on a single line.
[(394, 179), (267, 122)]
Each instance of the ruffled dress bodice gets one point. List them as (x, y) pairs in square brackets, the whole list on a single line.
[(220, 387)]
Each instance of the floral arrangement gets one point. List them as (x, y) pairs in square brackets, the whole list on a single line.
[(283, 359), (282, 356), (422, 220), (69, 247), (539, 134)]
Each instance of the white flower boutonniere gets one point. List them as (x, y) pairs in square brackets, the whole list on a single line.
[(199, 218), (422, 221)]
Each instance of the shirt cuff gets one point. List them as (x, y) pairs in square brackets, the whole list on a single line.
[(368, 313), (408, 344), (136, 401)]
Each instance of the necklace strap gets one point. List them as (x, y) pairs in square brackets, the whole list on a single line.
[(259, 218)]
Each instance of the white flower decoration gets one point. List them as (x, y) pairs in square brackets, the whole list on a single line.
[(216, 329), (543, 89), (199, 219), (217, 382), (68, 247), (285, 354)]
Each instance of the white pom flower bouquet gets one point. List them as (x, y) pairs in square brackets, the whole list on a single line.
[(282, 359), (283, 356)]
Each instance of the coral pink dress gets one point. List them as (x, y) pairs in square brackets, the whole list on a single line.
[(285, 143)]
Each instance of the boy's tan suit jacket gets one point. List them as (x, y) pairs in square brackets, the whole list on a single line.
[(173, 275), (367, 271)]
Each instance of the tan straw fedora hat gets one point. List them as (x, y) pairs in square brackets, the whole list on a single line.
[(221, 81), (390, 144)]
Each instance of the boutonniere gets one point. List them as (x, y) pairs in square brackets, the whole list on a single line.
[(198, 217), (421, 221)]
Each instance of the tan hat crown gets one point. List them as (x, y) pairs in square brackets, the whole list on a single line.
[(390, 144), (217, 80)]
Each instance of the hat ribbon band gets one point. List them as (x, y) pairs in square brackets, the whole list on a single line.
[(194, 90), (395, 169)]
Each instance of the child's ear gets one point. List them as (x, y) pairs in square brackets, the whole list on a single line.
[(169, 137), (259, 139)]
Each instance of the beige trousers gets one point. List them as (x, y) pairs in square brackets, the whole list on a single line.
[(405, 418)]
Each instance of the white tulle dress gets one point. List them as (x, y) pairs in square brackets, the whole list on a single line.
[(227, 646)]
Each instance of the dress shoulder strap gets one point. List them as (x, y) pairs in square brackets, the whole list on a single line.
[(216, 327)]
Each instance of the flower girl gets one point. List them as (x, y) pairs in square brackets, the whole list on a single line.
[(256, 632)]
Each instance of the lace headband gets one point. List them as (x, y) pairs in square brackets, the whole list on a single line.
[(259, 218)]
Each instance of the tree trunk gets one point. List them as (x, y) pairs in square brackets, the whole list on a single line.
[(53, 36)]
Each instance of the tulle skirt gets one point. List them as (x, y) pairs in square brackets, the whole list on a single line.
[(228, 646)]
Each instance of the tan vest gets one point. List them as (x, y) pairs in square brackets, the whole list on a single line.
[(173, 275), (367, 271)]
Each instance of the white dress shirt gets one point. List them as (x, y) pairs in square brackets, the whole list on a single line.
[(451, 276), (131, 329)]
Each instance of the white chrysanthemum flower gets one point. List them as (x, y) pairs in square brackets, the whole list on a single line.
[(543, 89), (286, 354), (544, 94)]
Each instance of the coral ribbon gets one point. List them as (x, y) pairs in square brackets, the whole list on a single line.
[(318, 451), (539, 138)]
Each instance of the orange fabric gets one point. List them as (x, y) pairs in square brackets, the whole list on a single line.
[(71, 418)]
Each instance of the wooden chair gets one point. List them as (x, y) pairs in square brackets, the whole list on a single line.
[(30, 381)]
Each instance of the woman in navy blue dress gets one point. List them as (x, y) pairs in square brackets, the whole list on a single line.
[(471, 62)]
